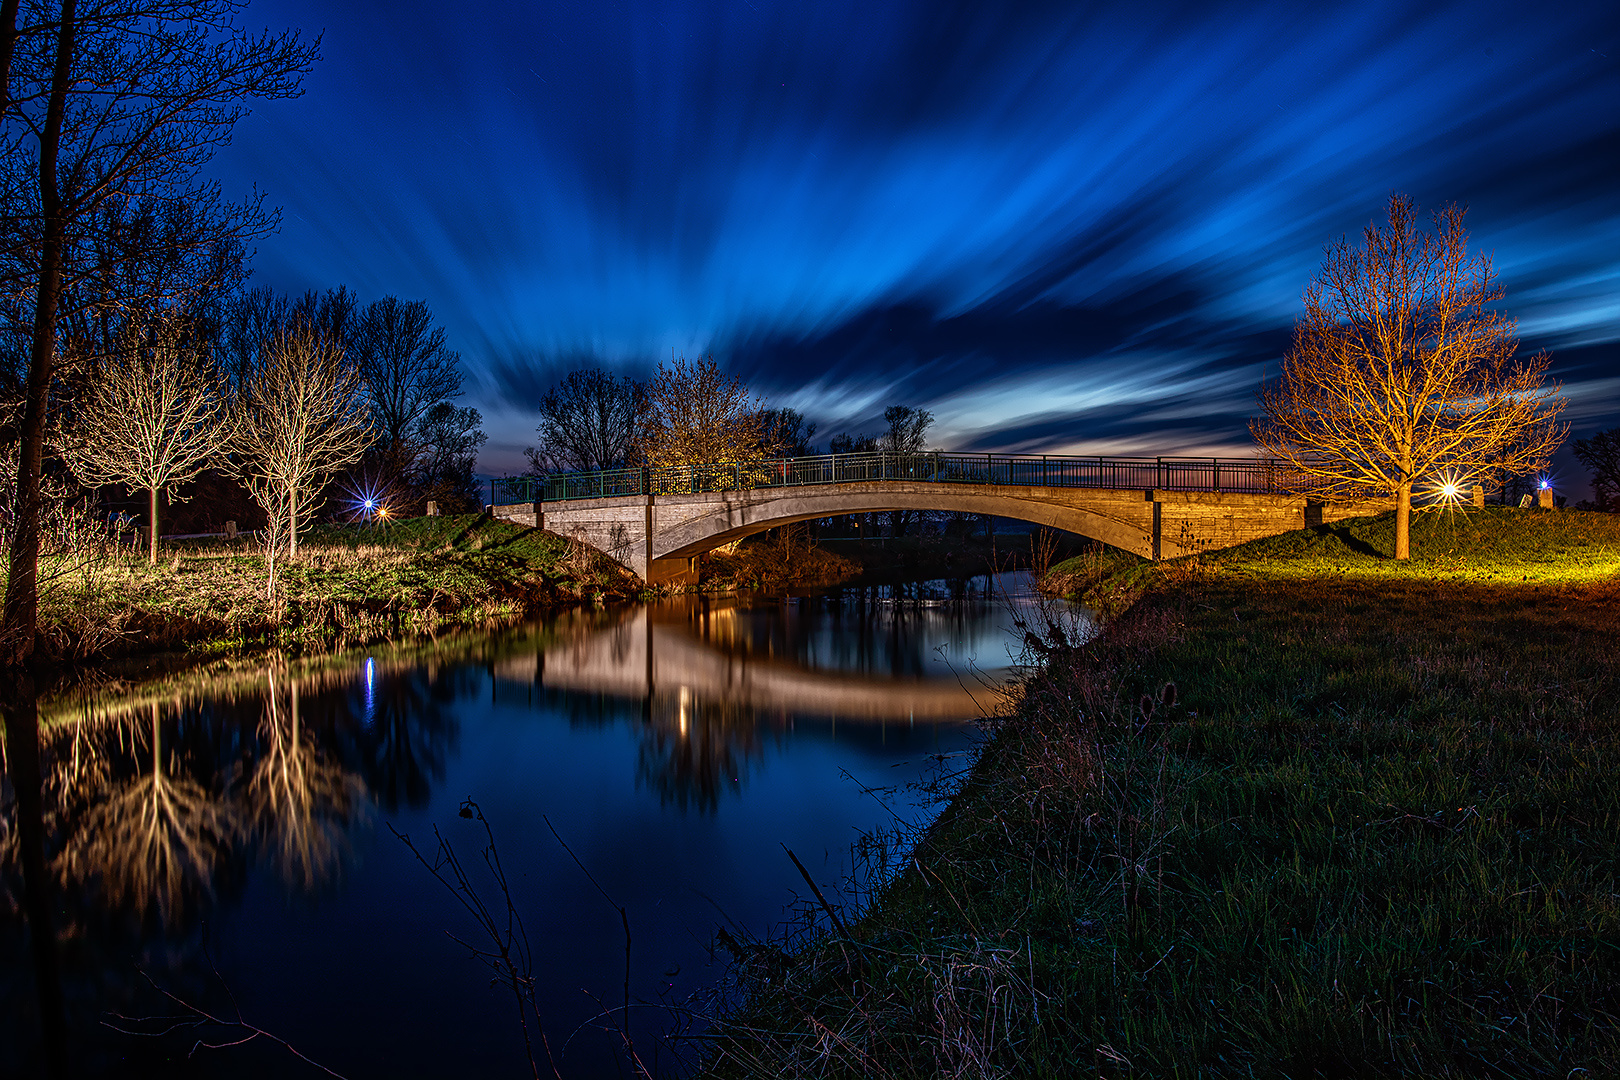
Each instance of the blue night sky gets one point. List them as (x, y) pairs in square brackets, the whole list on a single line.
[(1063, 228)]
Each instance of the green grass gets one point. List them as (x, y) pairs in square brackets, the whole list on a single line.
[(348, 583), (1376, 833), (1490, 545)]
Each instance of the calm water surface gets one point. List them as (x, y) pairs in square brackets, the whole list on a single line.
[(229, 838)]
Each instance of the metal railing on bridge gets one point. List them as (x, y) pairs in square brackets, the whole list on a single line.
[(1251, 475)]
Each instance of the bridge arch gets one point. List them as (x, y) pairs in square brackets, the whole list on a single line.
[(1128, 526)]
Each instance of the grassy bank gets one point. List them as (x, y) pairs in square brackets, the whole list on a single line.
[(348, 583), (1298, 811)]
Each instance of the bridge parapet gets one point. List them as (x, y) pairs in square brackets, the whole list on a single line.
[(1253, 475)]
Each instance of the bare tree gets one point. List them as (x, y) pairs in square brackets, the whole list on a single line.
[(1601, 455), (450, 438), (155, 414), (853, 444), (1400, 374), (303, 418), (588, 421), (786, 432), (406, 369), (107, 102), (696, 415), (908, 429), (907, 434), (253, 318)]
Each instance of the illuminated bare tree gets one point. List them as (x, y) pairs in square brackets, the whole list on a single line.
[(1401, 374), (303, 417), (154, 414), (107, 102), (696, 415)]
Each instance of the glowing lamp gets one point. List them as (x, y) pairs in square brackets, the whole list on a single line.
[(1449, 491), (370, 504), (1545, 484)]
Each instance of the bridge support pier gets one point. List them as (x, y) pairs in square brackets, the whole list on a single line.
[(674, 571)]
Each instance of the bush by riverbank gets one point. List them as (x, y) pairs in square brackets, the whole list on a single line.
[(349, 582), (1297, 811)]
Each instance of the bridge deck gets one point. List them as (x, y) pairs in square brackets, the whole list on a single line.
[(1249, 475)]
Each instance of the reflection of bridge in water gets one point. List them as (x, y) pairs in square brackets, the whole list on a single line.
[(692, 653)]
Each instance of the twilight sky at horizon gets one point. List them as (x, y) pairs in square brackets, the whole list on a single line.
[(1061, 229)]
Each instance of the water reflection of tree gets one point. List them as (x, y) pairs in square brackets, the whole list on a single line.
[(152, 833), (692, 749), (155, 811), (298, 800)]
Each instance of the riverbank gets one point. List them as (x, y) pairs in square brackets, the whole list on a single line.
[(1297, 810), (349, 583)]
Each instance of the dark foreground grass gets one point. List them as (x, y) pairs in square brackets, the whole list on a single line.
[(1274, 821), (348, 583)]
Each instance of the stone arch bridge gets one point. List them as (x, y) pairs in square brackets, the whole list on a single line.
[(657, 521)]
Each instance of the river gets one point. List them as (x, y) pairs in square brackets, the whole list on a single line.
[(230, 842)]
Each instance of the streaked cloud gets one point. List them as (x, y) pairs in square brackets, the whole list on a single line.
[(1058, 226)]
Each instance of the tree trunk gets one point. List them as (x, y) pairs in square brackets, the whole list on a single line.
[(8, 49), (1403, 520), (152, 520), (20, 620), (292, 526)]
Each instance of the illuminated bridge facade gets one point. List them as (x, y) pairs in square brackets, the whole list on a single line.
[(657, 521)]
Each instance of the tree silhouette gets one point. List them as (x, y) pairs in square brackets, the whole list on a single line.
[(406, 370), (589, 420), (1601, 455)]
